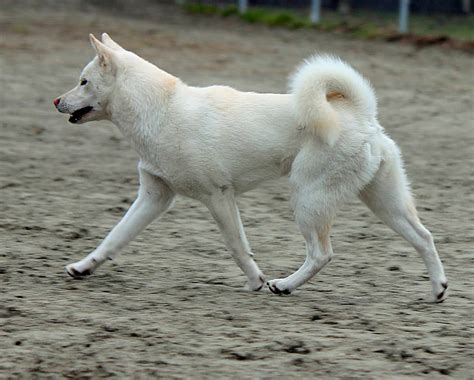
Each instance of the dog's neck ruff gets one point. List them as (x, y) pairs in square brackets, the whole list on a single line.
[(140, 118)]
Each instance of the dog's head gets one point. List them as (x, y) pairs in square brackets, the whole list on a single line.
[(89, 100)]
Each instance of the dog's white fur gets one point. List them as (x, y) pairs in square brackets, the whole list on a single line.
[(213, 143)]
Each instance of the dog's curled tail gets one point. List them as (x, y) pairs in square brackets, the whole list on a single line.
[(322, 84)]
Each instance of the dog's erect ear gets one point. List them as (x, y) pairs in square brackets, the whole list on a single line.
[(106, 55), (110, 42)]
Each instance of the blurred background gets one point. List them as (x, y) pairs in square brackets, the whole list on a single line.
[(439, 19), (171, 305)]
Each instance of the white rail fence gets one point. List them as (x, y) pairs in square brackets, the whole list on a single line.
[(315, 13)]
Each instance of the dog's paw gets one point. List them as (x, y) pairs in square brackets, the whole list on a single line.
[(277, 289), (442, 293), (76, 273), (256, 285)]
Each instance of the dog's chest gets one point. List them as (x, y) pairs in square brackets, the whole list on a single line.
[(184, 165)]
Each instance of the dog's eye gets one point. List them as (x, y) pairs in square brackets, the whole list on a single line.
[(83, 82)]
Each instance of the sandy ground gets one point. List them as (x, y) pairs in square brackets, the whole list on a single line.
[(172, 304)]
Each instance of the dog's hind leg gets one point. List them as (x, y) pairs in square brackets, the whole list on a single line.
[(316, 193), (154, 198), (224, 210), (389, 197), (318, 254)]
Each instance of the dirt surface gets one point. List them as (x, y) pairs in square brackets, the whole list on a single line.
[(172, 304)]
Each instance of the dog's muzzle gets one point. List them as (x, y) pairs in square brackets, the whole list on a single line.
[(76, 115)]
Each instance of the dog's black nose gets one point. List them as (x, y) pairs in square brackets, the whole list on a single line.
[(56, 101)]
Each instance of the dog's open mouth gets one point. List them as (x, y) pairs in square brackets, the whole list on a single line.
[(77, 115)]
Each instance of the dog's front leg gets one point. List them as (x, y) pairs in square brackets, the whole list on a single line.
[(224, 209), (154, 198)]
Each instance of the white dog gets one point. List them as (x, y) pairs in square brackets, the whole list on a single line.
[(214, 143)]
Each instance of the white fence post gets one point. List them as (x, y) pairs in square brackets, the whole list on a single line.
[(243, 5), (315, 15), (466, 6), (403, 16)]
